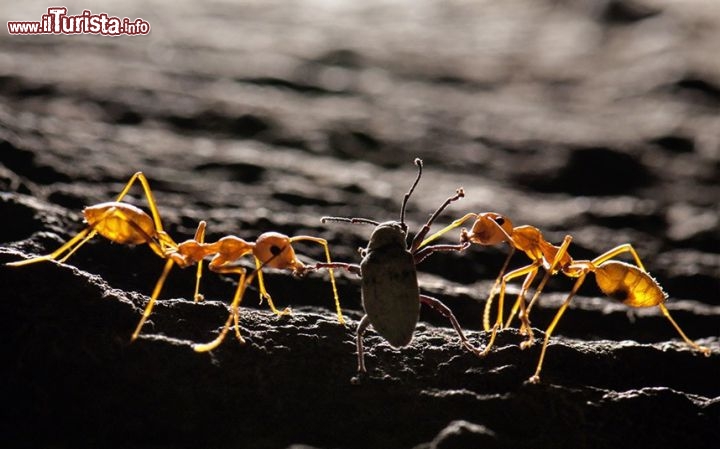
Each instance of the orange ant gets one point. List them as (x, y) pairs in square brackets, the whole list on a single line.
[(271, 249), (630, 284), (124, 223)]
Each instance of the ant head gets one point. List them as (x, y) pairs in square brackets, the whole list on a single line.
[(490, 228), (419, 164), (274, 250)]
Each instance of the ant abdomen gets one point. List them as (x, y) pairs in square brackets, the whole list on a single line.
[(629, 284), (120, 222)]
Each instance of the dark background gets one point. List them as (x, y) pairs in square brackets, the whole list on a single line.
[(597, 119)]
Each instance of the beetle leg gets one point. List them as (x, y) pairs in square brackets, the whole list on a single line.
[(447, 313), (418, 239), (362, 327)]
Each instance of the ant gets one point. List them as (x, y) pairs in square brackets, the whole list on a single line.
[(630, 284), (271, 249), (391, 297), (124, 223)]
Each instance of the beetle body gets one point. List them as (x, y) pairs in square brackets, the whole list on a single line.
[(390, 292), (391, 296)]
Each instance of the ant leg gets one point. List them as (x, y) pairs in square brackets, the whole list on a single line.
[(416, 243), (525, 328), (81, 237), (562, 251), (529, 271), (447, 313), (501, 300), (457, 223), (205, 347), (324, 244), (200, 238), (488, 303), (362, 327), (536, 377), (139, 176), (264, 294), (233, 317), (153, 298), (629, 248), (243, 282), (705, 351), (166, 243), (82, 242), (624, 248)]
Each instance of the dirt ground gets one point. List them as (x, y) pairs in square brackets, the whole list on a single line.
[(595, 119)]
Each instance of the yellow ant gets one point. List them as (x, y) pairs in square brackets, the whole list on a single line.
[(630, 284), (124, 223)]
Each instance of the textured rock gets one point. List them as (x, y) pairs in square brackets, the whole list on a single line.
[(591, 119)]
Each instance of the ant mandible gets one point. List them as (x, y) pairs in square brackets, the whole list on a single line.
[(630, 284), (125, 223)]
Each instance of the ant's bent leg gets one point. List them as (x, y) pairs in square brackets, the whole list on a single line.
[(139, 176), (200, 238), (264, 294), (205, 347), (624, 248), (362, 327), (82, 237), (324, 244), (519, 305), (493, 291), (443, 310), (705, 351), (233, 317)]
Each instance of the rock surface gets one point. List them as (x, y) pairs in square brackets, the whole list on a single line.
[(594, 119)]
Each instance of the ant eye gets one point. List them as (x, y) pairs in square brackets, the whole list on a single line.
[(500, 221), (275, 250)]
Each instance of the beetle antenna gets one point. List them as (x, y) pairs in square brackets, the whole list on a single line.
[(419, 164), (350, 220)]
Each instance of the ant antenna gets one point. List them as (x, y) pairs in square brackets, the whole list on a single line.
[(350, 220), (419, 163)]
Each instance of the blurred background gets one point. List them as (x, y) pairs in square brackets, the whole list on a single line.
[(594, 118)]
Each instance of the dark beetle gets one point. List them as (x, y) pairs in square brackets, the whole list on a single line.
[(390, 294)]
